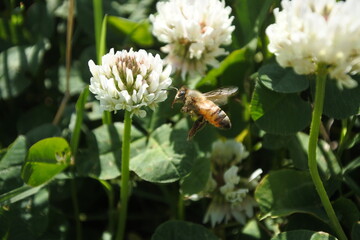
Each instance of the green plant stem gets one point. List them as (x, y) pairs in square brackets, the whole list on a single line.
[(98, 16), (76, 210), (314, 133), (110, 194), (125, 173), (100, 42), (181, 207)]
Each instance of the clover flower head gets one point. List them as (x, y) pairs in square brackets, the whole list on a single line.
[(226, 152), (130, 80), (229, 191), (193, 32), (232, 199), (309, 32)]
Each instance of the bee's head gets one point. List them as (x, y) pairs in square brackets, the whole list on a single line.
[(180, 95)]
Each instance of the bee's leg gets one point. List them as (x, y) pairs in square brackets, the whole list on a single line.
[(198, 124), (185, 109)]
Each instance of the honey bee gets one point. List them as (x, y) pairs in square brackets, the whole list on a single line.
[(205, 106)]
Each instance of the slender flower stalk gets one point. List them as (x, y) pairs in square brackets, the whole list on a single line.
[(129, 81), (314, 134), (125, 174)]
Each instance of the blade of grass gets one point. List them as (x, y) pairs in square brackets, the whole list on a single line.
[(100, 23), (80, 105), (98, 16), (100, 43), (69, 35), (107, 119)]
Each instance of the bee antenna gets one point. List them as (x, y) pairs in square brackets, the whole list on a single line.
[(171, 87)]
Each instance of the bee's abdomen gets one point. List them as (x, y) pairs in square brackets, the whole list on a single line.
[(217, 117)]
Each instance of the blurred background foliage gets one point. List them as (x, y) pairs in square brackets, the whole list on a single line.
[(273, 106)]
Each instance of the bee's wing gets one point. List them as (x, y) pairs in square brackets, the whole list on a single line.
[(220, 96)]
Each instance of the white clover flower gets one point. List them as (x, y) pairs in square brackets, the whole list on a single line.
[(309, 32), (236, 196), (244, 210), (217, 212), (129, 80), (228, 152), (193, 31), (231, 177), (232, 200), (229, 192)]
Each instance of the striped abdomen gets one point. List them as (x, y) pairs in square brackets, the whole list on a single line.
[(213, 114)]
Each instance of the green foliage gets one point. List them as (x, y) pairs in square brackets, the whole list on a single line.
[(166, 157), (198, 177), (103, 155), (17, 65), (348, 211), (45, 159), (285, 192), (10, 165), (138, 32), (282, 80), (180, 230), (229, 68), (355, 233), (49, 168), (279, 113), (304, 235), (341, 103), (27, 219)]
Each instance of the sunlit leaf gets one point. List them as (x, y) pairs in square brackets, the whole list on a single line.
[(139, 32), (109, 137), (231, 70), (15, 154), (283, 80), (252, 230), (104, 166), (103, 157), (10, 165), (46, 158), (168, 156), (18, 194)]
